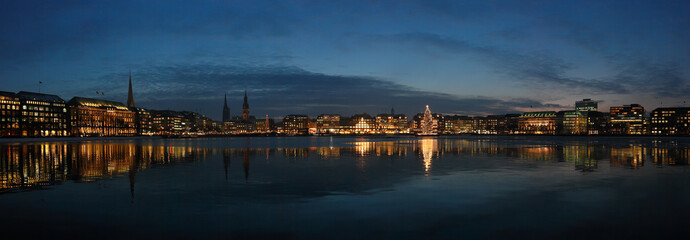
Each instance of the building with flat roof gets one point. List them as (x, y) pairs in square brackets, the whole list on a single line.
[(96, 117), (538, 123), (10, 115), (43, 115), (627, 120), (670, 121), (587, 105)]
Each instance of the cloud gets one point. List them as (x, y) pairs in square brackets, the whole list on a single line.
[(539, 70), (281, 90), (531, 70)]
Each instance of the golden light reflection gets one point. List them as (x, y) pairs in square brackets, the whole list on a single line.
[(428, 148), (33, 166)]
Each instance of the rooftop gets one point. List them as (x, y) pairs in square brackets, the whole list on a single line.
[(39, 97), (97, 103)]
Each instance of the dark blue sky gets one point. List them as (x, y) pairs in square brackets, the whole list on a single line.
[(312, 57)]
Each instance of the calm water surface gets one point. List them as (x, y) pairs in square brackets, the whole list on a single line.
[(344, 188)]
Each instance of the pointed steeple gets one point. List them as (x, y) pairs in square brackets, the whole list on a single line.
[(245, 107), (226, 110), (392, 111), (130, 96)]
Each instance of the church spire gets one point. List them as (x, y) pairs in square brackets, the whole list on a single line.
[(245, 107), (130, 96), (226, 110)]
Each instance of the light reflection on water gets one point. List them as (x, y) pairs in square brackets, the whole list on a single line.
[(346, 182)]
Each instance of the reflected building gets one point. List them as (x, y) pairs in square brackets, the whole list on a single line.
[(32, 166), (584, 157), (632, 156)]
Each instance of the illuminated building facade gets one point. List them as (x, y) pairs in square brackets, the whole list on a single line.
[(328, 123), (96, 117), (597, 123), (362, 124), (166, 122), (627, 120), (587, 105), (10, 115), (43, 115), (143, 121), (391, 123), (295, 124), (195, 122), (266, 125), (458, 124), (670, 121), (572, 122), (538, 123)]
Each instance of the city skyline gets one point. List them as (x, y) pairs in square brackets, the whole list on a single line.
[(305, 57)]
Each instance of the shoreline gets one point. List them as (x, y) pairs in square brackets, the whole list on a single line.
[(129, 138)]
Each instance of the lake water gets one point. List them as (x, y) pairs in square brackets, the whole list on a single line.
[(345, 188)]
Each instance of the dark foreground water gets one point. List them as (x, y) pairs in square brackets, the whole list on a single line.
[(345, 188)]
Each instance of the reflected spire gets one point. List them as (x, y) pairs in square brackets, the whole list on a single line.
[(245, 163), (226, 162), (133, 168)]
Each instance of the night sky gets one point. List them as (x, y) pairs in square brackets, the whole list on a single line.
[(313, 57)]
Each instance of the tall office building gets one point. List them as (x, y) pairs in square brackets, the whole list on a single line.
[(587, 105)]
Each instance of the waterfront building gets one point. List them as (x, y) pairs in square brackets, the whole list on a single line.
[(166, 122), (193, 122), (391, 123), (266, 125), (295, 124), (587, 105), (43, 115), (10, 115), (572, 122), (511, 123), (597, 123), (328, 123), (458, 124), (362, 124), (670, 121), (538, 123), (143, 121), (627, 120), (96, 117)]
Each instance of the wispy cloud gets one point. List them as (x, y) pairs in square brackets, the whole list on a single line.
[(278, 91)]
